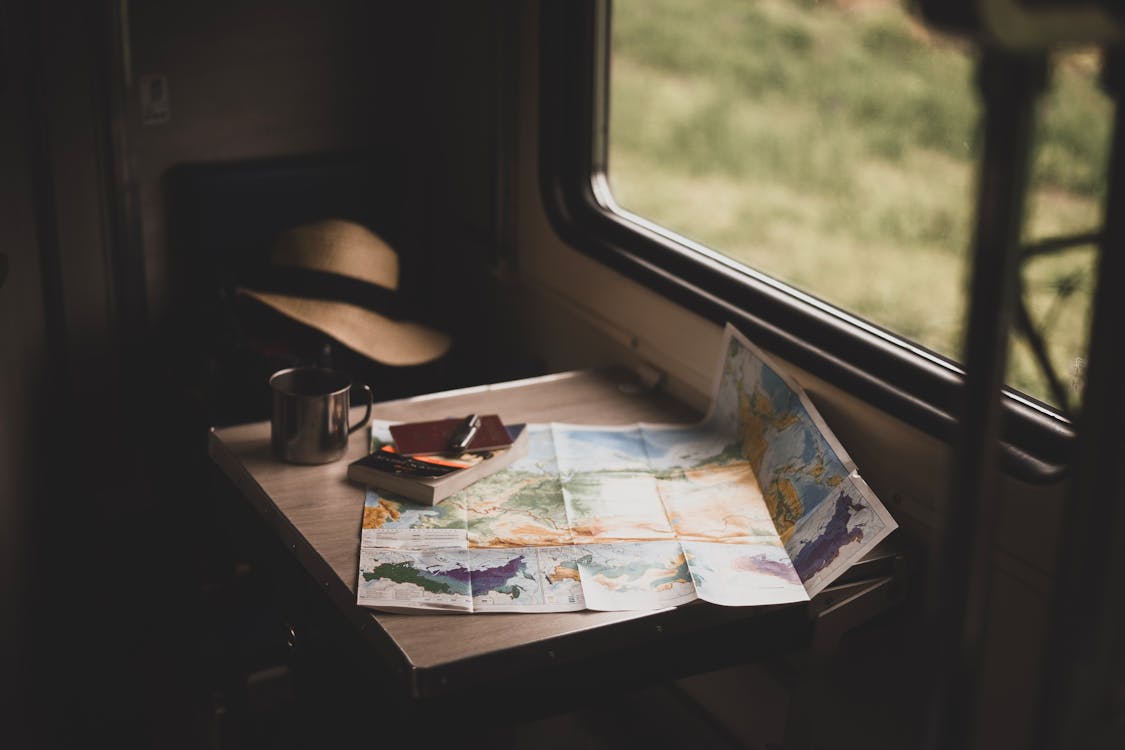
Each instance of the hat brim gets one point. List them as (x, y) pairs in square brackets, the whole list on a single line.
[(374, 336)]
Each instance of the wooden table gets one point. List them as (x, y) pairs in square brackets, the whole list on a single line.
[(316, 513)]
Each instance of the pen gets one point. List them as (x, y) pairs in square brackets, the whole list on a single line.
[(464, 433), (397, 464)]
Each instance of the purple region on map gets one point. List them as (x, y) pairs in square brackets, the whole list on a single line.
[(761, 563), (459, 573), (496, 578), (820, 552)]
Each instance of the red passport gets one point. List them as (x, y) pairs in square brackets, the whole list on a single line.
[(421, 438)]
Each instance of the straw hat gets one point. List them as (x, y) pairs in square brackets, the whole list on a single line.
[(340, 278)]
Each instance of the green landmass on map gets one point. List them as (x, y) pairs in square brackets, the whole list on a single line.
[(515, 508), (405, 572)]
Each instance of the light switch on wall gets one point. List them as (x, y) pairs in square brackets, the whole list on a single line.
[(155, 104)]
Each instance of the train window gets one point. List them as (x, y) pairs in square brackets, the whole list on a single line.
[(832, 147), (806, 169)]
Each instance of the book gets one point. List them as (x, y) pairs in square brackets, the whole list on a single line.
[(421, 438), (431, 481)]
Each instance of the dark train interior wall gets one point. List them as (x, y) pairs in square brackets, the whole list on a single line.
[(101, 547), (255, 79), (23, 396)]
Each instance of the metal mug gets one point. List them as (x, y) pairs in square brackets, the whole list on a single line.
[(310, 414)]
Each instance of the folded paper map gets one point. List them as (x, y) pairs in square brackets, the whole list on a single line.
[(756, 504)]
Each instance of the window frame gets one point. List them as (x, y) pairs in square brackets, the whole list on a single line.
[(899, 377)]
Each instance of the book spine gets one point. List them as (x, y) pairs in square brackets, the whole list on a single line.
[(412, 490)]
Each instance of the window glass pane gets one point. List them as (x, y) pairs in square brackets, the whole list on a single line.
[(832, 145)]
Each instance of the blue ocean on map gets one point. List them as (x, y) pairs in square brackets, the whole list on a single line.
[(682, 447), (790, 456), (798, 452), (582, 450), (540, 458)]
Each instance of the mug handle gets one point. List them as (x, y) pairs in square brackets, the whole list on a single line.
[(366, 414)]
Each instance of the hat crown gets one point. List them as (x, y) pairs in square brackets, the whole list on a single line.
[(340, 247), (349, 251)]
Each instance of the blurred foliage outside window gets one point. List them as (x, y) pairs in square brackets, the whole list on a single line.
[(833, 145)]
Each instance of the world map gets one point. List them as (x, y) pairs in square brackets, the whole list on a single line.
[(758, 503)]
